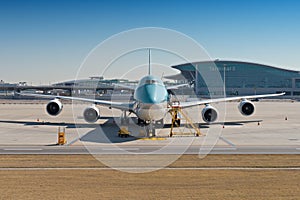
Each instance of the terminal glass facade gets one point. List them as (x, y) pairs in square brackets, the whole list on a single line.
[(243, 77)]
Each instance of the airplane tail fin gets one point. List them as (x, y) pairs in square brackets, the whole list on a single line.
[(149, 64)]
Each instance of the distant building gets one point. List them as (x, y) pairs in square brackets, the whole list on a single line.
[(97, 85), (242, 78), (93, 82), (4, 84)]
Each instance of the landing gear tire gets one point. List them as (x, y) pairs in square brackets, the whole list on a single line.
[(123, 135)]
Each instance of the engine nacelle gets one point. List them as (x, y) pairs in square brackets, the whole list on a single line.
[(246, 107), (91, 114), (54, 107), (209, 114)]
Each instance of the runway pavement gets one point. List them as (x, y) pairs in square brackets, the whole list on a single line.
[(273, 129), (146, 149)]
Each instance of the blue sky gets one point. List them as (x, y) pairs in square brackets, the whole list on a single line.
[(45, 41)]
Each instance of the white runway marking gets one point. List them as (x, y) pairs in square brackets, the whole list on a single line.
[(120, 149), (219, 148), (150, 168), (23, 149)]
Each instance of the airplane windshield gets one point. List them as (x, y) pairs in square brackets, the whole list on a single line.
[(151, 81)]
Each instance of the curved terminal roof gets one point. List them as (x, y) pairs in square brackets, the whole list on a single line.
[(190, 66), (188, 69)]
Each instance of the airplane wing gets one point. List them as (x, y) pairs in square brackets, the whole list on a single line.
[(128, 87), (128, 106), (176, 86), (132, 87), (208, 101)]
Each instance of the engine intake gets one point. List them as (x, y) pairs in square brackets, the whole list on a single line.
[(54, 107), (209, 114), (246, 108), (91, 114)]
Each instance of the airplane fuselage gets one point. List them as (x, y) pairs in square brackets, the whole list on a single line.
[(151, 98)]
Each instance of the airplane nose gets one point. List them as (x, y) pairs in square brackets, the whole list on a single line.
[(155, 94)]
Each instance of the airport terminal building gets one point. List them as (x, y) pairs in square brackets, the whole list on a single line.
[(242, 78)]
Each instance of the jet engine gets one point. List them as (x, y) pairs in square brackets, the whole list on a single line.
[(209, 114), (246, 107), (54, 107), (91, 114)]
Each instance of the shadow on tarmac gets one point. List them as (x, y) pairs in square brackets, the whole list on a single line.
[(107, 132)]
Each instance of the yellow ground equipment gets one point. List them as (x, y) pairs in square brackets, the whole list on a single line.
[(61, 136), (123, 132), (178, 114)]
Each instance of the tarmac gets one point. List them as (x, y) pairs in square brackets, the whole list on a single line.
[(92, 163), (273, 129)]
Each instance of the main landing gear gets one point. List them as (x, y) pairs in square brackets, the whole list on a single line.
[(150, 126)]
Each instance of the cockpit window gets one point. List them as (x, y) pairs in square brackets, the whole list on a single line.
[(151, 81)]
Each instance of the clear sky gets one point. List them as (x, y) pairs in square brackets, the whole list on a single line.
[(45, 41)]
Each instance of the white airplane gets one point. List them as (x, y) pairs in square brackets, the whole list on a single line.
[(151, 103)]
